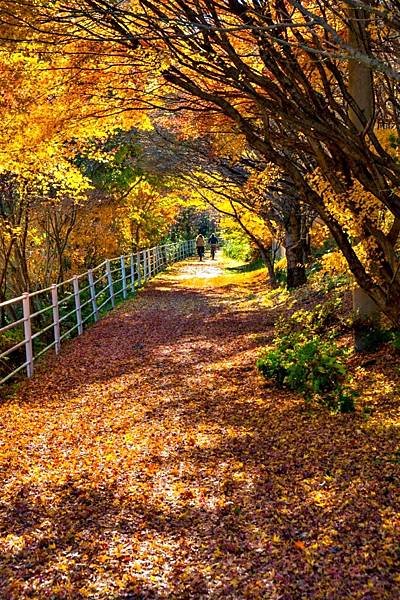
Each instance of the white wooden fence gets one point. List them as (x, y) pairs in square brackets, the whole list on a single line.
[(41, 320)]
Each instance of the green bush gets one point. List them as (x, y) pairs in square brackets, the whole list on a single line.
[(302, 361), (237, 246)]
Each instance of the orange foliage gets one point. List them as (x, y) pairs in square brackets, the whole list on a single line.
[(150, 461)]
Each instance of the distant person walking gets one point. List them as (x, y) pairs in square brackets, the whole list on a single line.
[(200, 243), (213, 241)]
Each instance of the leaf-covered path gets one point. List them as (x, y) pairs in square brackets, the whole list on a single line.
[(151, 461)]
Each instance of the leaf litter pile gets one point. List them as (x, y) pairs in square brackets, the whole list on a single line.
[(150, 460)]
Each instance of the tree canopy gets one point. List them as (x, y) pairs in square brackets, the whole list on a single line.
[(310, 88)]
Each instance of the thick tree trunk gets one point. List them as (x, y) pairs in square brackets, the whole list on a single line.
[(367, 317), (296, 270)]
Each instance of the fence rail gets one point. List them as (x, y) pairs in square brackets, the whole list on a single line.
[(38, 321)]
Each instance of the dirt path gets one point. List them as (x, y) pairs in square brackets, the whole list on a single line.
[(150, 461)]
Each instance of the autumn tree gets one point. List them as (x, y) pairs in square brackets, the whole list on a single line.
[(37, 215), (268, 213), (278, 72), (130, 205), (233, 180), (275, 198)]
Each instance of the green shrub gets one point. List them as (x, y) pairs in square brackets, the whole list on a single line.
[(237, 246), (302, 361)]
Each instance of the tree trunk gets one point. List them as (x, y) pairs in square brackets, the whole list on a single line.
[(367, 317), (296, 270), (366, 322), (265, 254)]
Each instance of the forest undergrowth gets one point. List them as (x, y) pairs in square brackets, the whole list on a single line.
[(152, 460)]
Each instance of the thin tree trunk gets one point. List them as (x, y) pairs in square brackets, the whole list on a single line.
[(265, 254), (296, 270)]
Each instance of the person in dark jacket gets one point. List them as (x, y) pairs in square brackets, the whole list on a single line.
[(213, 241)]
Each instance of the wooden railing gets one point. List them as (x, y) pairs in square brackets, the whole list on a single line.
[(42, 320)]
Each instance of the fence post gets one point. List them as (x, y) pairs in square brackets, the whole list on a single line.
[(77, 305), (123, 274), (148, 264), (158, 265), (132, 261), (139, 273), (110, 283), (56, 318), (162, 261), (26, 306), (93, 295), (144, 252)]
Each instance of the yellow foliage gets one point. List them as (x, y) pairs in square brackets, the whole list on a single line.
[(281, 264), (334, 263), (319, 234), (358, 212), (49, 99), (231, 145)]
